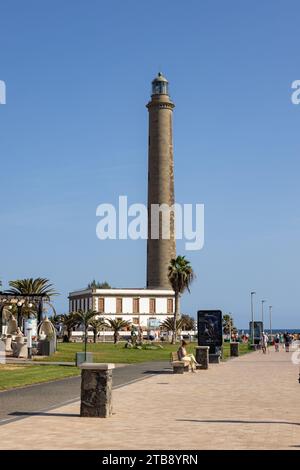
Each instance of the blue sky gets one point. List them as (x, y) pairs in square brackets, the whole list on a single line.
[(73, 134)]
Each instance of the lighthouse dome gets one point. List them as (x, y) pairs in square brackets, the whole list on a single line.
[(160, 85)]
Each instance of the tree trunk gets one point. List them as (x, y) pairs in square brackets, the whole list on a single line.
[(95, 336), (176, 316), (116, 337), (85, 344)]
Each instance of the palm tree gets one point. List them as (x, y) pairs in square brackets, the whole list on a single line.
[(84, 319), (188, 322), (96, 325), (34, 286), (168, 325), (56, 321), (228, 325), (117, 325), (69, 321), (180, 274)]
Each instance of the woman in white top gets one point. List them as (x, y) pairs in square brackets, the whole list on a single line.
[(184, 356)]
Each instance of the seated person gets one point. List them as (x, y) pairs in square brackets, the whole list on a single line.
[(184, 356)]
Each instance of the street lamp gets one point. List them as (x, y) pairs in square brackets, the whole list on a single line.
[(29, 340), (262, 313), (19, 308), (252, 317), (270, 312)]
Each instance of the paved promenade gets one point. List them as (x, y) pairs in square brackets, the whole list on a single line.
[(251, 402)]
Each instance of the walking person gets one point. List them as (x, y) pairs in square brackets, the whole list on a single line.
[(276, 342), (281, 340), (286, 337), (264, 342)]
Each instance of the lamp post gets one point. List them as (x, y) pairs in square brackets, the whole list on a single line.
[(40, 310), (252, 317), (29, 340), (230, 332), (270, 314), (262, 313)]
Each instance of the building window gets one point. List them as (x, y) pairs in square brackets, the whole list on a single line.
[(136, 305), (170, 306), (101, 304), (119, 305), (152, 306)]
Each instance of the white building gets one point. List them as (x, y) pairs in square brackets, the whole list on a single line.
[(145, 307)]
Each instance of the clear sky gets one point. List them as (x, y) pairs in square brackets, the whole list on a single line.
[(73, 134)]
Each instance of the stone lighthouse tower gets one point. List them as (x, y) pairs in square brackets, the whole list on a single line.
[(160, 248)]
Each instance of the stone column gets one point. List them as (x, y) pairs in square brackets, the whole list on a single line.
[(96, 390), (234, 349), (202, 356)]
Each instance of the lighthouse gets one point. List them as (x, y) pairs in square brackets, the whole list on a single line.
[(160, 248), (149, 307)]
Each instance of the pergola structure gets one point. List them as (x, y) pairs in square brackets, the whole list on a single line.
[(9, 299)]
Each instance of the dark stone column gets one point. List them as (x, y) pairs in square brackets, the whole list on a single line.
[(96, 390), (214, 358), (202, 356), (234, 349)]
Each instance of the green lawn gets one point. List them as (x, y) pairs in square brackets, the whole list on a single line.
[(116, 353), (12, 376), (19, 375)]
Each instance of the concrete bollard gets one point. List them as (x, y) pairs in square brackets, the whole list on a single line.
[(202, 356), (96, 390), (234, 349)]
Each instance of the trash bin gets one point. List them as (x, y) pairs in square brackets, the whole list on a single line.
[(46, 347), (80, 358)]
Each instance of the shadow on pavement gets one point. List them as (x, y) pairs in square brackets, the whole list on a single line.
[(158, 372), (42, 413), (236, 421)]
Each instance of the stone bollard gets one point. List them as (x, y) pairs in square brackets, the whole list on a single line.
[(202, 356), (234, 349), (96, 390)]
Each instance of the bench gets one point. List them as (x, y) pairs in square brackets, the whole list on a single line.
[(179, 367)]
